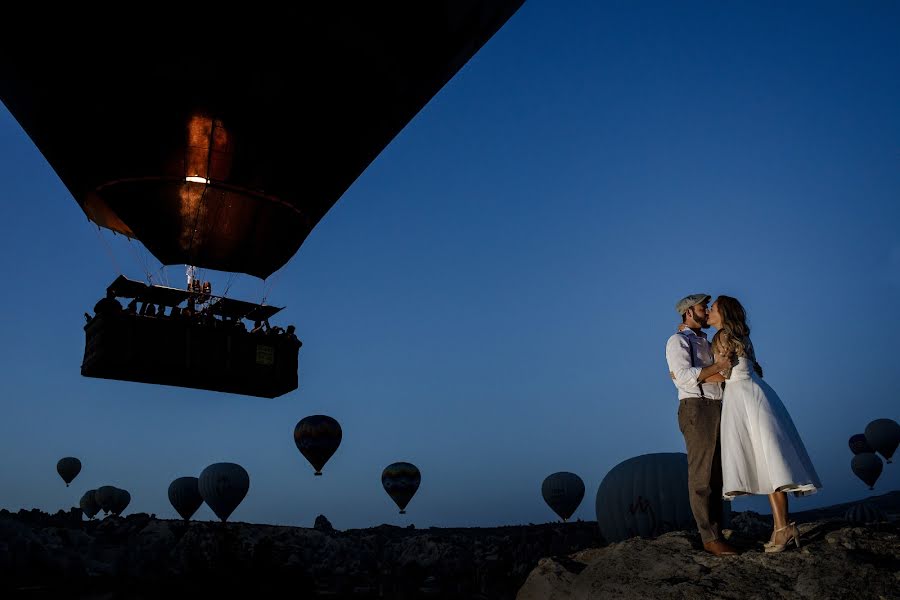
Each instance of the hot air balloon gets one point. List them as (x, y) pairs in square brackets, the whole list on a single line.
[(563, 492), (120, 502), (401, 480), (883, 435), (184, 494), (863, 513), (106, 497), (88, 504), (858, 443), (68, 468), (646, 496), (867, 466), (317, 437), (223, 487), (226, 158)]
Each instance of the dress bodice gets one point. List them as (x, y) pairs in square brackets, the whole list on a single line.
[(742, 370)]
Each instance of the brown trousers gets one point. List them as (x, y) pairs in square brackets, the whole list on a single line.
[(699, 420)]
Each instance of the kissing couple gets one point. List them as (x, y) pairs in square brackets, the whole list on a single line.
[(739, 436)]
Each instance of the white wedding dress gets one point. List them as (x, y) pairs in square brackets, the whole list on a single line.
[(761, 449)]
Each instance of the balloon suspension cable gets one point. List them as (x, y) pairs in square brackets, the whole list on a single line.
[(109, 251), (269, 282), (232, 277), (142, 260)]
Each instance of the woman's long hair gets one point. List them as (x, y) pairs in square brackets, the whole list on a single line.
[(734, 334)]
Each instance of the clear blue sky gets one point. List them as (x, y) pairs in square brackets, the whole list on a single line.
[(490, 300)]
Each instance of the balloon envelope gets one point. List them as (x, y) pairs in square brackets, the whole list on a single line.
[(120, 501), (232, 169), (106, 497), (858, 443), (563, 492), (401, 480), (645, 496), (68, 468), (223, 487), (88, 504), (883, 435), (862, 513), (184, 495), (317, 437), (867, 466)]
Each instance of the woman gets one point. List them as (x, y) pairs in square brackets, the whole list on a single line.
[(762, 453)]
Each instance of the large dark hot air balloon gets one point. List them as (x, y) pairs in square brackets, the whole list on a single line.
[(645, 496), (563, 493), (884, 436), (401, 480), (120, 502), (184, 494), (223, 487), (68, 468), (88, 504), (106, 497), (225, 147), (858, 443), (867, 466), (224, 151), (317, 437)]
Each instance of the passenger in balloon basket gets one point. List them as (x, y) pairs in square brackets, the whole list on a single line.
[(740, 438)]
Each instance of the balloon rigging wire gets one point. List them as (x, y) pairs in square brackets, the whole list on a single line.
[(109, 252)]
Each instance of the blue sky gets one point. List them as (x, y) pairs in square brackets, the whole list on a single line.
[(490, 300)]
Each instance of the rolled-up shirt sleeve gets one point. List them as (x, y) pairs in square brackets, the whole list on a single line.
[(678, 355)]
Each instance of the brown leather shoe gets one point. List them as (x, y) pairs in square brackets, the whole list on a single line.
[(719, 548)]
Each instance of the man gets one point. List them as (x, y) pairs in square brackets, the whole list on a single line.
[(697, 377)]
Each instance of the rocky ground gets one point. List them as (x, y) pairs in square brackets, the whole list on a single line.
[(836, 559), (139, 556)]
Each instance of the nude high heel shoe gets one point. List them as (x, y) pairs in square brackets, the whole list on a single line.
[(794, 536)]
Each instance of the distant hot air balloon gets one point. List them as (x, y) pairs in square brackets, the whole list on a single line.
[(859, 444), (317, 437), (106, 497), (184, 494), (867, 466), (88, 504), (223, 487), (401, 480), (563, 492), (645, 496), (883, 435), (68, 468), (121, 499), (863, 513)]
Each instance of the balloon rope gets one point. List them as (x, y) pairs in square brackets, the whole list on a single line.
[(109, 252)]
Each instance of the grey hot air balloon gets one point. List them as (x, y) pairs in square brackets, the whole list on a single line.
[(106, 497), (184, 494), (223, 487), (863, 513), (883, 435), (88, 504), (646, 496), (401, 480), (867, 466), (317, 438), (121, 499), (563, 492), (68, 468)]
